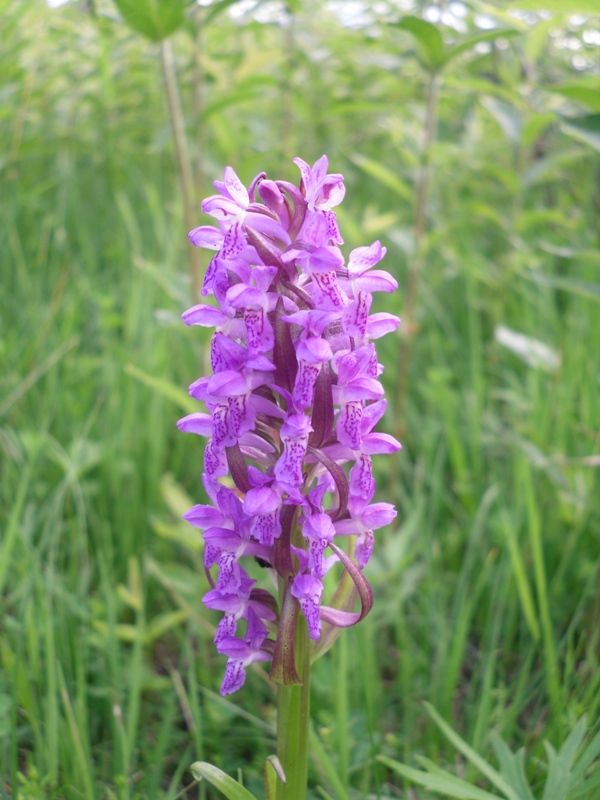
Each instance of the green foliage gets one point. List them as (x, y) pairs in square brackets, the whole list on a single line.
[(154, 19), (566, 773), (486, 589)]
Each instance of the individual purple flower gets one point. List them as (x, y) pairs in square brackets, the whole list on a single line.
[(291, 409)]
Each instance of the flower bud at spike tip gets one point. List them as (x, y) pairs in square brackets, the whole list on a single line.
[(291, 405)]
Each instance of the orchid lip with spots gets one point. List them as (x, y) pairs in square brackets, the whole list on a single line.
[(292, 404)]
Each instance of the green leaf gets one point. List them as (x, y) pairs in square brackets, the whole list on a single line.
[(384, 175), (164, 387), (154, 19), (512, 766), (471, 41), (506, 115), (221, 781), (561, 6), (585, 760), (428, 40), (272, 770), (586, 129), (584, 288), (560, 777), (480, 763), (581, 93), (442, 782)]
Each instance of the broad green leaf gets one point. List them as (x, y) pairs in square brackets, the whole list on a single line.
[(561, 6), (581, 93), (428, 40), (220, 780), (480, 763), (164, 387), (384, 175), (586, 129), (154, 19), (512, 766), (471, 41), (446, 783)]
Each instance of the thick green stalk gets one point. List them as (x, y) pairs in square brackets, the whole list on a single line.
[(293, 717)]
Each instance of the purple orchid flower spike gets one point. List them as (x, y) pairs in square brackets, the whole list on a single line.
[(290, 413)]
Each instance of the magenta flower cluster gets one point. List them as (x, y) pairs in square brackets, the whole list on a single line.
[(294, 397)]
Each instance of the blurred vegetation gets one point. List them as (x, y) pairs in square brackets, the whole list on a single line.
[(469, 135)]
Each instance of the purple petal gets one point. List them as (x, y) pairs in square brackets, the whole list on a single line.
[(380, 324), (237, 191), (207, 316), (378, 443), (196, 423), (378, 515), (307, 589), (362, 258), (262, 500), (240, 296), (228, 383), (348, 424), (377, 281), (235, 677), (318, 526), (314, 349), (304, 387), (356, 315), (206, 236), (261, 336)]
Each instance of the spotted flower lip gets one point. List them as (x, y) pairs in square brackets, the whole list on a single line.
[(290, 414)]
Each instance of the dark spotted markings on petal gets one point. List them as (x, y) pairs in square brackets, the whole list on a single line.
[(338, 475)]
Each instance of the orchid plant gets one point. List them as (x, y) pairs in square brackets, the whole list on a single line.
[(292, 405)]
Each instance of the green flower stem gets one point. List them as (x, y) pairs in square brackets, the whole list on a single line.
[(293, 717)]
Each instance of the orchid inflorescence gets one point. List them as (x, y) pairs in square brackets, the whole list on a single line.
[(294, 397)]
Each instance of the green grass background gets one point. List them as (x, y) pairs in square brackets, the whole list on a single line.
[(487, 590)]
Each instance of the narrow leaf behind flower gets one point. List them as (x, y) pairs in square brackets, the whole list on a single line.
[(221, 781), (443, 782), (480, 763)]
